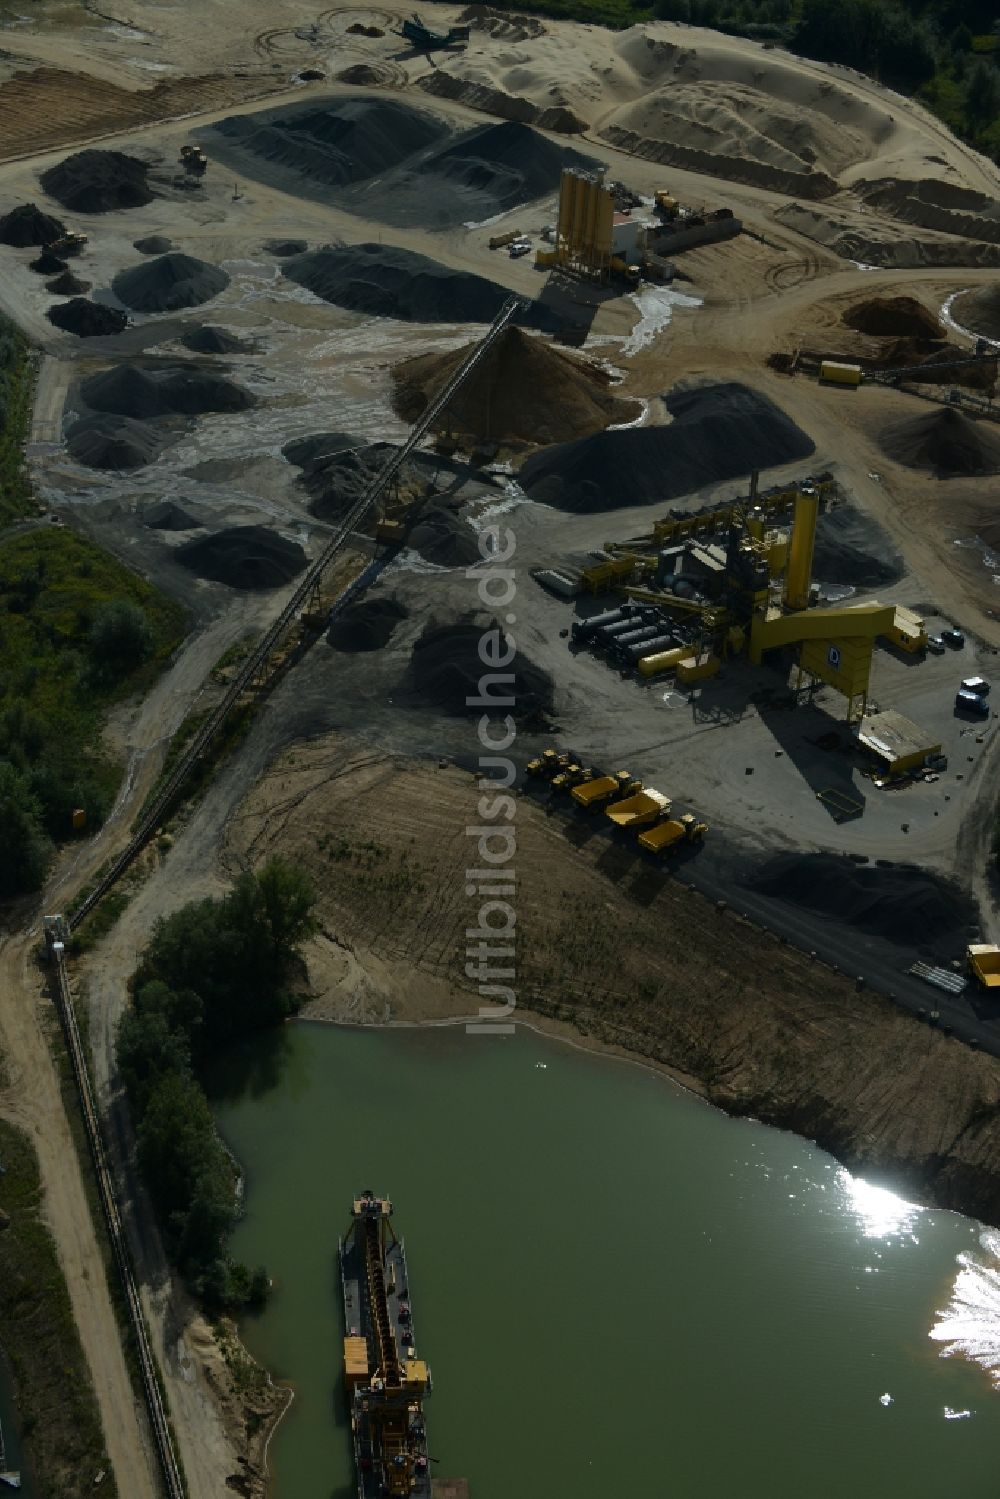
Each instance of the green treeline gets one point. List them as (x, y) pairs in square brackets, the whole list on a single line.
[(16, 496), (213, 971), (77, 631)]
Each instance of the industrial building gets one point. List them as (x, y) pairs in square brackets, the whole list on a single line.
[(896, 742)]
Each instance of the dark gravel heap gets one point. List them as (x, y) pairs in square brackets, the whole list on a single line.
[(282, 247), (28, 225), (442, 536), (385, 281), (719, 432), (445, 668), (87, 319), (852, 548), (98, 182), (166, 516), (48, 264), (128, 391), (113, 442), (902, 904), (947, 442), (168, 283), (67, 285), (210, 340), (367, 626), (304, 451), (153, 244), (251, 558)]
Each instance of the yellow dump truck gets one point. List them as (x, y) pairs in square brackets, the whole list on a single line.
[(591, 794), (984, 963), (675, 830), (639, 810), (833, 372)]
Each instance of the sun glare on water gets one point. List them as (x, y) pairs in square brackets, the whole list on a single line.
[(969, 1326), (880, 1213)]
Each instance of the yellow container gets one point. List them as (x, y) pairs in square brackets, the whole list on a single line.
[(697, 668), (835, 373), (654, 666), (79, 818)]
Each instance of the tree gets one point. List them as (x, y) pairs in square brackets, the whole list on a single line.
[(121, 638), (672, 10), (148, 1050), (25, 851), (982, 92)]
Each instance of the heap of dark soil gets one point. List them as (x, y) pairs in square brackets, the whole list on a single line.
[(385, 281), (153, 244), (524, 389), (362, 75), (247, 557), (852, 548), (98, 182), (902, 904), (129, 391), (170, 282), (979, 311), (166, 516), (304, 451), (87, 319), (892, 317), (367, 626), (67, 285), (946, 441), (718, 432), (282, 247), (28, 225), (209, 340), (445, 669), (48, 264), (441, 535), (113, 442)]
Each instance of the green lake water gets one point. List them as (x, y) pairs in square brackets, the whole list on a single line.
[(620, 1291)]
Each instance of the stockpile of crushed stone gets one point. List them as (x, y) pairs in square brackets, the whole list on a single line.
[(153, 244), (28, 225), (385, 281), (852, 548), (524, 390), (67, 285), (113, 442), (979, 311), (87, 319), (246, 557), (445, 668), (128, 391), (718, 432), (169, 282), (892, 317), (282, 247), (947, 442), (304, 451), (367, 626), (902, 904), (167, 516), (441, 535), (337, 480), (48, 264), (98, 181), (210, 340)]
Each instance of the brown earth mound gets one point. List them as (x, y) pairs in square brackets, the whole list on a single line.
[(979, 311), (523, 390), (947, 442), (892, 317)]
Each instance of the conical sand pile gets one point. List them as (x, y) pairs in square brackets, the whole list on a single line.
[(524, 390), (946, 442)]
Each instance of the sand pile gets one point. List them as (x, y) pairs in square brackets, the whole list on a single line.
[(28, 225), (524, 389), (170, 282), (67, 285), (48, 264), (87, 319), (367, 626), (153, 244), (892, 317), (947, 442), (441, 535), (282, 247), (902, 904), (98, 181), (979, 311), (718, 432), (129, 391), (247, 557), (851, 548), (209, 340), (113, 442), (445, 669), (384, 281), (166, 516)]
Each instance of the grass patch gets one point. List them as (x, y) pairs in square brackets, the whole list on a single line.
[(62, 1430)]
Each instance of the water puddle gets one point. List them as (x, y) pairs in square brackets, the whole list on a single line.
[(656, 307)]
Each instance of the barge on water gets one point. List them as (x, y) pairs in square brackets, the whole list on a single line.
[(386, 1381)]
